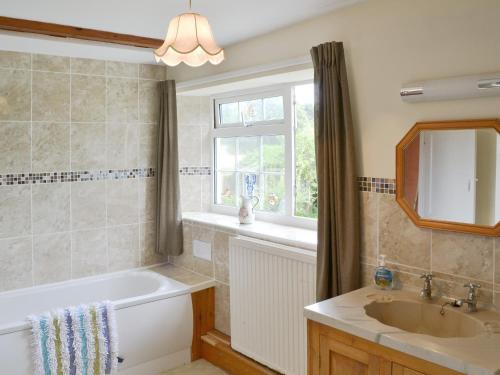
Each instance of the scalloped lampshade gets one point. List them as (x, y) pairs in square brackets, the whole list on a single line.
[(190, 40)]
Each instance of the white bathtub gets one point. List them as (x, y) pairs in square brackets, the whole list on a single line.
[(153, 313)]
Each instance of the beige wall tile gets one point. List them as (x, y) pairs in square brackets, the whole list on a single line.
[(206, 193), (203, 267), (400, 239), (122, 69), (89, 255), (50, 96), (453, 286), (15, 147), (17, 60), (15, 211), (148, 134), (206, 112), (222, 313), (186, 258), (206, 146), (190, 187), (88, 147), (88, 99), (149, 71), (122, 100), (15, 263), (88, 205), (149, 101), (148, 245), (123, 247), (51, 208), (52, 258), (122, 202), (367, 273), (15, 95), (221, 256), (189, 146), (147, 199), (88, 66), (188, 111), (50, 147), (122, 145), (369, 225), (463, 255), (51, 63)]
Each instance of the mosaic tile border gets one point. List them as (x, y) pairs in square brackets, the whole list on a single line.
[(74, 176), (195, 171), (377, 185)]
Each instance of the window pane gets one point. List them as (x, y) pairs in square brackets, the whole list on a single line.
[(274, 193), (305, 159), (251, 111), (229, 113), (226, 188), (249, 154), (273, 108), (273, 153), (226, 153)]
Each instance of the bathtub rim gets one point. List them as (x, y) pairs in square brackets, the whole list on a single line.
[(159, 294)]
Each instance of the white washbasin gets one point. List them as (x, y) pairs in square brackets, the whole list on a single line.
[(425, 318)]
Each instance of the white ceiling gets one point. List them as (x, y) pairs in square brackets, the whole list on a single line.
[(232, 20)]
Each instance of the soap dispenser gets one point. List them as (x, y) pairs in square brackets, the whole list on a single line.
[(383, 275)]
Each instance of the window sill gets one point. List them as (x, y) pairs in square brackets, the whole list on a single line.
[(282, 234)]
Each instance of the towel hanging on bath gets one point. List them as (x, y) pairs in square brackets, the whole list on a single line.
[(78, 340)]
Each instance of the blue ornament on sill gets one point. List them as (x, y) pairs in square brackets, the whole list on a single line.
[(250, 180), (248, 201)]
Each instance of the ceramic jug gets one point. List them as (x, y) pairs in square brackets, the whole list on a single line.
[(246, 214)]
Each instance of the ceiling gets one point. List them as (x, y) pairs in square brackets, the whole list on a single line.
[(232, 20)]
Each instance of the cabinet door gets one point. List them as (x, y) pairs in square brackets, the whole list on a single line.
[(397, 369), (337, 358)]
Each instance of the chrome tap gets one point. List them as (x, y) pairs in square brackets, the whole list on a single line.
[(471, 299), (426, 291)]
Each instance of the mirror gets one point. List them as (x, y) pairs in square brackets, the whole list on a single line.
[(448, 175)]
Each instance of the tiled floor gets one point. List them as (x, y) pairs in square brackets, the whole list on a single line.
[(199, 367)]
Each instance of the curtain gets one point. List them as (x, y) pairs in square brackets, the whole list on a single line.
[(168, 213), (338, 260)]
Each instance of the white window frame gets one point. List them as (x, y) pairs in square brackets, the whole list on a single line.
[(262, 128)]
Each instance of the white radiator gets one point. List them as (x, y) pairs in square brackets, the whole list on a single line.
[(269, 286)]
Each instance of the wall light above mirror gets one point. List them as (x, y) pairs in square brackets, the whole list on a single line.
[(448, 175)]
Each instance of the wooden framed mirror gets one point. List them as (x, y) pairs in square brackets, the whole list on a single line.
[(448, 175)]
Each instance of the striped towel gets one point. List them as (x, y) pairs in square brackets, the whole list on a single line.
[(78, 340)]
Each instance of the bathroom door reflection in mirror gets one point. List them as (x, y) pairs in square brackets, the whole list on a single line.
[(451, 176)]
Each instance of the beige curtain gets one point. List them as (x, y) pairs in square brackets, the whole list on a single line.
[(338, 267), (168, 213)]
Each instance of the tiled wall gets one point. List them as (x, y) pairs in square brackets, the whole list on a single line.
[(77, 148), (217, 268), (454, 258), (195, 159)]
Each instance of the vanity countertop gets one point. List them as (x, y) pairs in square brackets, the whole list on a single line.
[(478, 355)]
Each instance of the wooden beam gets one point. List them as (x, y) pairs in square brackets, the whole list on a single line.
[(64, 31)]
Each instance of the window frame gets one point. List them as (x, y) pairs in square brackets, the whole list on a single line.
[(285, 127)]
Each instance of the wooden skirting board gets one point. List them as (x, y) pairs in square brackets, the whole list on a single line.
[(216, 348), (213, 345)]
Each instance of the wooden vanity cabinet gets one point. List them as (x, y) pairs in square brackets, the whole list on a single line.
[(334, 352)]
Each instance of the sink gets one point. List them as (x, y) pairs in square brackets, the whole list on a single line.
[(425, 318)]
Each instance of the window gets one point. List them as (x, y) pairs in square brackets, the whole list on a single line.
[(268, 137)]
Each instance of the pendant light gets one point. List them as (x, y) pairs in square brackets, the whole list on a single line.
[(189, 39)]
